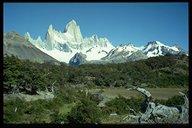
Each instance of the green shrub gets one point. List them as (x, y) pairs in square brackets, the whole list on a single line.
[(121, 105), (85, 112), (175, 100)]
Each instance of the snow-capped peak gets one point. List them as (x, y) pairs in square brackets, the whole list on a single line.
[(128, 47), (50, 27), (122, 51), (73, 30), (27, 34), (39, 39), (71, 25), (155, 43), (156, 48), (72, 22)]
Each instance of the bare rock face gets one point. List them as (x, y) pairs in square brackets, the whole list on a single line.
[(74, 30), (160, 113), (77, 59)]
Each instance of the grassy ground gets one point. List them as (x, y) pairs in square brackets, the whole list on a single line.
[(158, 93), (113, 119)]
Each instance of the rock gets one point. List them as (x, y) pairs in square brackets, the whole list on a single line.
[(161, 113)]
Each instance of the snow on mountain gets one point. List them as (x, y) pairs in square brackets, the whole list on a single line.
[(74, 30), (38, 42), (64, 45), (58, 55), (97, 48), (156, 48), (122, 50)]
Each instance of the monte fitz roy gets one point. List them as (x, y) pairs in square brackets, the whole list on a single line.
[(71, 47)]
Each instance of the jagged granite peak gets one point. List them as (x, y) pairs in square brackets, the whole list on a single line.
[(95, 38), (98, 42), (38, 42), (49, 41), (71, 23), (27, 35), (74, 30), (50, 27), (78, 59), (71, 41), (39, 38)]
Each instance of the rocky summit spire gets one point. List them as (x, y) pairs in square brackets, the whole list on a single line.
[(74, 30), (50, 27), (73, 22)]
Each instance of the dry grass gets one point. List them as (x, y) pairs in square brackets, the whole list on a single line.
[(158, 93)]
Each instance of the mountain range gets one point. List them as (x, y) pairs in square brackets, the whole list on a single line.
[(70, 47)]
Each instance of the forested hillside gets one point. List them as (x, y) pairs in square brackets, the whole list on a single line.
[(26, 76)]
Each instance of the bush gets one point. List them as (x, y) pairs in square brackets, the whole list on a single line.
[(58, 118), (118, 105), (9, 107), (121, 105), (174, 101), (84, 112)]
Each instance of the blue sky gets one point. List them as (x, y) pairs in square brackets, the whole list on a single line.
[(121, 23)]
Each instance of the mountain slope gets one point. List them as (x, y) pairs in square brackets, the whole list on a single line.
[(14, 44), (138, 55), (122, 50)]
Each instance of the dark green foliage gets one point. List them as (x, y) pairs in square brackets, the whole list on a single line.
[(96, 97), (29, 77), (121, 105), (173, 101), (58, 118), (66, 95), (11, 67), (85, 112), (118, 105), (160, 62), (9, 110)]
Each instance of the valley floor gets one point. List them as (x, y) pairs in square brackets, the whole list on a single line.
[(45, 111), (157, 93)]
